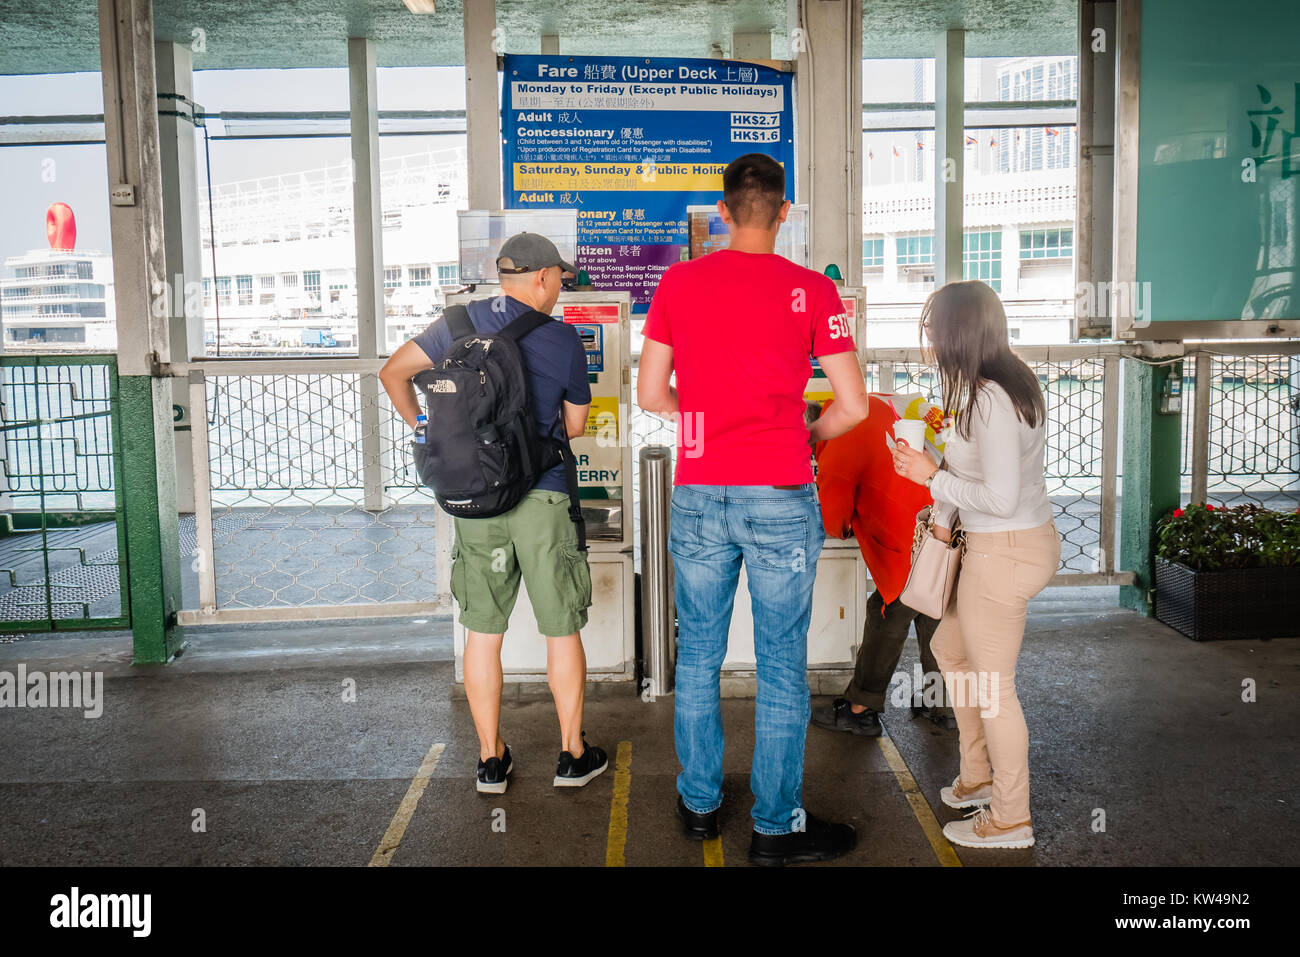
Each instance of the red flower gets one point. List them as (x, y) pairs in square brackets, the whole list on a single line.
[(1178, 513), (1209, 508)]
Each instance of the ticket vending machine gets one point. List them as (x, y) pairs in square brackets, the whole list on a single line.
[(604, 460), (840, 593)]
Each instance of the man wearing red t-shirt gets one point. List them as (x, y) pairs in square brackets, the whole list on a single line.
[(738, 328)]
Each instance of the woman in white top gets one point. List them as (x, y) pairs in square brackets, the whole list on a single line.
[(992, 481)]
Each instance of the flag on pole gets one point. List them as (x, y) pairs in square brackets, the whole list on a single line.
[(920, 145), (870, 154), (1051, 132), (993, 143), (894, 148), (971, 141)]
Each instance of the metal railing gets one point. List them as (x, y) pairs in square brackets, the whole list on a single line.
[(306, 500), (1240, 439), (311, 204), (307, 504), (1082, 384), (1082, 387), (62, 538)]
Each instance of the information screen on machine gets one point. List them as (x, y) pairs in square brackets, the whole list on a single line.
[(599, 453)]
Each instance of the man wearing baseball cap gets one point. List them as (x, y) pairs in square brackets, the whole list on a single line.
[(536, 538), (529, 252)]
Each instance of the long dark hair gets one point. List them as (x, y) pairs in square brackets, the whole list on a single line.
[(967, 329)]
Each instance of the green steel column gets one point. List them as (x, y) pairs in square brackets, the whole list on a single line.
[(149, 507), (1152, 471), (140, 282)]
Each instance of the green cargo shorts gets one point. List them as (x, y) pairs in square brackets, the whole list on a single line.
[(536, 539)]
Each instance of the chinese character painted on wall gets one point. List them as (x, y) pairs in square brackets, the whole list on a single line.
[(1264, 125)]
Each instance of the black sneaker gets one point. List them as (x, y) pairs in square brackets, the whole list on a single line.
[(818, 841), (493, 772), (699, 827), (574, 772), (839, 716)]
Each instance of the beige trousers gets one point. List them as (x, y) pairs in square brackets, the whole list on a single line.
[(976, 646)]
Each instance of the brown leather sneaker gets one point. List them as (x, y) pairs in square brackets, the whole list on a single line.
[(980, 830), (963, 796)]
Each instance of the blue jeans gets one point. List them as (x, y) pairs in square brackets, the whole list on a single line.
[(779, 534)]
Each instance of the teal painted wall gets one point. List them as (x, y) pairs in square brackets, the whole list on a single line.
[(1220, 84)]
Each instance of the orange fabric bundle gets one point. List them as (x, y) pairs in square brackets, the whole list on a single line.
[(861, 493)]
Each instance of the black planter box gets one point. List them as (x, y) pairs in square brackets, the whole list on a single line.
[(1230, 603)]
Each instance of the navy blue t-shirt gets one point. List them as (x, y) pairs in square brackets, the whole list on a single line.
[(554, 361)]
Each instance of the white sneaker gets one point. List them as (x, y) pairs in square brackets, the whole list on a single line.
[(978, 830), (963, 797)]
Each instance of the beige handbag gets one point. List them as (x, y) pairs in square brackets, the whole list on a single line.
[(932, 581)]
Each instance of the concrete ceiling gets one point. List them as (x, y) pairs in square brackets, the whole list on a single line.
[(909, 28), (61, 36)]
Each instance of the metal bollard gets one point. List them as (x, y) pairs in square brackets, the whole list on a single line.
[(658, 609)]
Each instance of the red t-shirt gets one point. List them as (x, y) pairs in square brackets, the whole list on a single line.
[(742, 327)]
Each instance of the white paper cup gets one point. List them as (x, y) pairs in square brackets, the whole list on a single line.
[(911, 431)]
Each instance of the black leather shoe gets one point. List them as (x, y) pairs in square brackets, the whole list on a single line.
[(839, 716), (700, 827), (818, 841)]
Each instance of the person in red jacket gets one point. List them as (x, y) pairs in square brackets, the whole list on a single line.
[(862, 495)]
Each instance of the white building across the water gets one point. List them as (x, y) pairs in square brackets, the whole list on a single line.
[(58, 299), (1019, 238), (285, 277), (285, 259)]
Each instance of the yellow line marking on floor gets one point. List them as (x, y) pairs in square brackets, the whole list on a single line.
[(713, 852), (920, 808), (393, 836), (616, 842)]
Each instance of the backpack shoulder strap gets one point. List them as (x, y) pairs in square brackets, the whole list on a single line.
[(520, 326), (458, 322), (555, 453)]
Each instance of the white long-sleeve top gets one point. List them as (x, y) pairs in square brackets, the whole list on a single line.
[(994, 480)]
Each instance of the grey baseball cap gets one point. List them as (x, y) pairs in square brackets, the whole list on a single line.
[(529, 252)]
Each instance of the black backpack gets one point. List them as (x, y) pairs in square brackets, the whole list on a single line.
[(481, 452)]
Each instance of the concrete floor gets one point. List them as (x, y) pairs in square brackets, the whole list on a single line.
[(250, 726)]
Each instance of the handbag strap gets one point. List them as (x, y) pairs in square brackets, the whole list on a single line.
[(957, 537)]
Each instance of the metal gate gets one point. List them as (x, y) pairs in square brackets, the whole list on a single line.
[(62, 534)]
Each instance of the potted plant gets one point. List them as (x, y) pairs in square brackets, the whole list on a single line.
[(1229, 572)]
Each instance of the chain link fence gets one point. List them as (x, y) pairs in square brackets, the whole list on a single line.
[(1075, 391), (1253, 455), (314, 501), (313, 495)]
